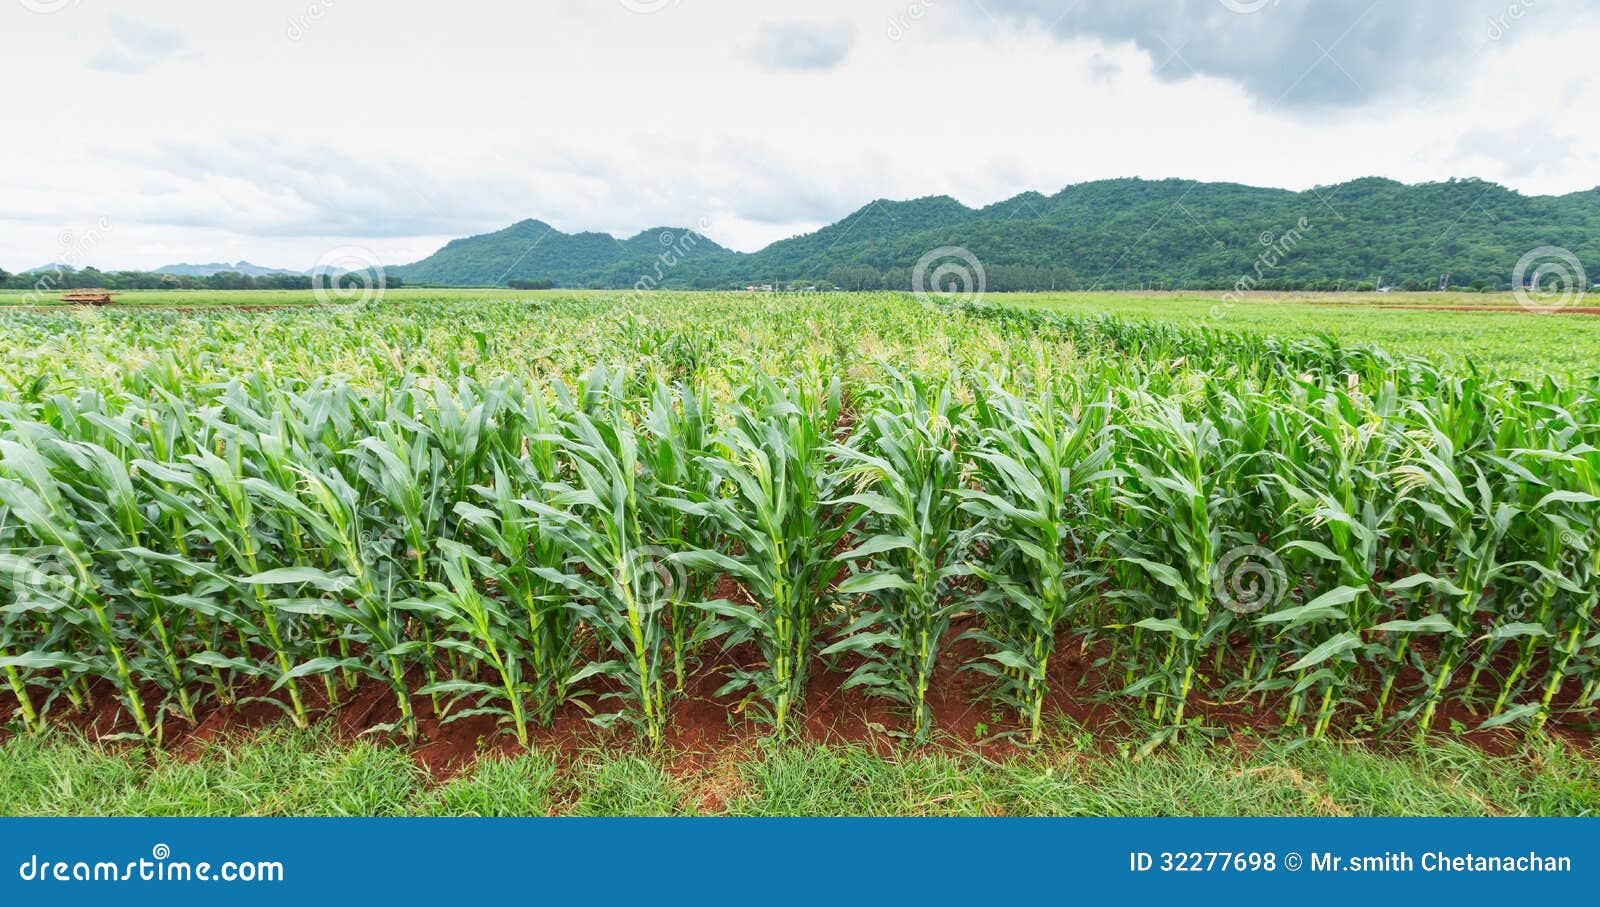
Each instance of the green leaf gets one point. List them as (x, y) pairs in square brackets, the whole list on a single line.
[(1511, 716), (1516, 631), (1335, 598), (862, 583), (295, 576), (1339, 645), (1424, 579), (1433, 623), (1161, 573), (1165, 625)]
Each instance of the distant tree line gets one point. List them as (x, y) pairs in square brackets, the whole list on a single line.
[(1027, 279), (52, 279)]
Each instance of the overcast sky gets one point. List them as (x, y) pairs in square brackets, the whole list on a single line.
[(144, 134)]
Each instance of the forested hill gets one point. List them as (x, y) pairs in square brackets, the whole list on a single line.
[(534, 250), (1106, 234)]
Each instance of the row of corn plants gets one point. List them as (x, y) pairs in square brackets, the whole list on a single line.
[(1331, 531)]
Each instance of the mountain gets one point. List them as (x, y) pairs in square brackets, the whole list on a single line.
[(243, 267), (1108, 233), (534, 250)]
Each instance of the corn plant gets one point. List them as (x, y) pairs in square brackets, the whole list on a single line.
[(905, 464), (360, 592), (230, 514), (1167, 534), (1337, 473), (503, 527), (1450, 502), (769, 481), (674, 446), (622, 582), (102, 644), (1035, 527), (484, 632)]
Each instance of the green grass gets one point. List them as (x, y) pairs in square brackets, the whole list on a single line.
[(277, 772), (524, 786), (1517, 342), (282, 772)]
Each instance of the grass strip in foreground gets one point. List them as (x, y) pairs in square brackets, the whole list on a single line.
[(282, 771)]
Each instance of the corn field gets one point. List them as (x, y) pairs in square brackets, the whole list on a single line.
[(504, 508)]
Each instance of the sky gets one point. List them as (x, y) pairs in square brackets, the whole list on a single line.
[(282, 131)]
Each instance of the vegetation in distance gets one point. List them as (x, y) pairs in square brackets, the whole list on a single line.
[(1119, 234), (1440, 326), (1109, 234), (43, 287)]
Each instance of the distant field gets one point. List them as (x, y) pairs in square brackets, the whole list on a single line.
[(1438, 325), (1516, 341)]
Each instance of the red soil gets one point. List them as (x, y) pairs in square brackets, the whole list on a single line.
[(708, 734)]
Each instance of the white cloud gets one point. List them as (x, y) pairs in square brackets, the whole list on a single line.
[(801, 45), (136, 46), (397, 124)]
